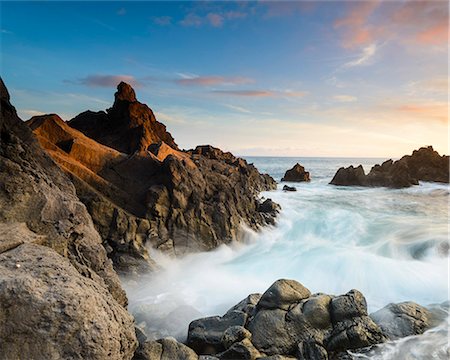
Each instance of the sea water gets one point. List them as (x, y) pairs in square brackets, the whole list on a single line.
[(391, 244)]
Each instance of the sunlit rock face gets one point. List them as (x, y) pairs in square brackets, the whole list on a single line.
[(140, 189)]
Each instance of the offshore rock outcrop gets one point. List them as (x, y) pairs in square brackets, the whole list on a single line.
[(297, 174), (59, 294), (152, 193), (288, 322), (424, 164)]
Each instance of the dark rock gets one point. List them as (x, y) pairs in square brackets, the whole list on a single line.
[(424, 164), (34, 191), (247, 305), (356, 333), (205, 335), (240, 350), (164, 349), (297, 174), (268, 207), (348, 306), (48, 310), (282, 294), (350, 176), (403, 319), (141, 190), (235, 334), (289, 188), (310, 350)]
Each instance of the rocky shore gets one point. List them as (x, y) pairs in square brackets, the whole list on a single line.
[(424, 164), (79, 204), (141, 190)]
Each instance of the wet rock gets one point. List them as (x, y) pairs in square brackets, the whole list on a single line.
[(348, 306), (350, 176), (205, 335), (282, 294), (358, 332), (424, 164), (289, 188), (164, 349), (141, 190), (241, 350), (403, 319), (48, 310), (310, 350), (234, 334), (247, 305), (297, 174)]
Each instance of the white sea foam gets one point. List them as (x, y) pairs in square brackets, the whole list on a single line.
[(390, 244)]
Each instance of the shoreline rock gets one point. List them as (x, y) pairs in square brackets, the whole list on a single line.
[(141, 190), (288, 322), (424, 164)]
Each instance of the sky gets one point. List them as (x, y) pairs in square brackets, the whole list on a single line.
[(330, 78)]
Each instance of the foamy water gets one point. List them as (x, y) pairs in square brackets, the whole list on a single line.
[(392, 245)]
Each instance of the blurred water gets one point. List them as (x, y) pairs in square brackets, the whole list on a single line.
[(390, 244)]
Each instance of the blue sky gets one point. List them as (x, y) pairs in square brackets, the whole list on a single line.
[(257, 78)]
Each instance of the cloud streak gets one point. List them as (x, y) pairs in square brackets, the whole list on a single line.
[(212, 80), (106, 80), (364, 58), (261, 93)]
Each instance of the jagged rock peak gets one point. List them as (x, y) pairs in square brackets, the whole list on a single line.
[(125, 92)]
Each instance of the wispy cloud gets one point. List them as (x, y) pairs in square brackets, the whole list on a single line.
[(261, 93), (106, 80), (212, 80), (213, 18), (431, 111), (246, 93), (162, 20), (363, 59), (238, 108), (121, 12), (4, 31), (345, 98)]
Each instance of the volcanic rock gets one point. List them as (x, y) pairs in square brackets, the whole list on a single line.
[(297, 174), (289, 322), (164, 349), (403, 319), (128, 126), (154, 194), (424, 164), (48, 310), (59, 295), (289, 188)]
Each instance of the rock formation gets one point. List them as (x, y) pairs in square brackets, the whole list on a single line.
[(424, 164), (59, 294), (297, 174), (289, 188), (140, 189), (287, 320)]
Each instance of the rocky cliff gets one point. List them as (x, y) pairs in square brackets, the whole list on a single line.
[(424, 164), (141, 189), (59, 294)]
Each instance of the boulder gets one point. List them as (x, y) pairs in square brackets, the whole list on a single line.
[(243, 349), (424, 164), (247, 305), (164, 349), (403, 319), (297, 174), (282, 294), (289, 188), (289, 322), (48, 310), (205, 335)]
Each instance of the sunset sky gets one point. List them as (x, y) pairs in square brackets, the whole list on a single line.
[(256, 78)]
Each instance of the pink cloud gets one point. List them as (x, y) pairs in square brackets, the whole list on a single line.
[(247, 93), (215, 20), (108, 80)]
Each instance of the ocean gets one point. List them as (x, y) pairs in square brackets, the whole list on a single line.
[(390, 244)]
